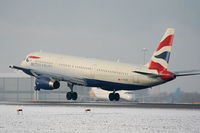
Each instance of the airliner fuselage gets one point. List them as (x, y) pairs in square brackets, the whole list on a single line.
[(90, 72)]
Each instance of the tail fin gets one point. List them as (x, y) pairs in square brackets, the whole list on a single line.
[(160, 59)]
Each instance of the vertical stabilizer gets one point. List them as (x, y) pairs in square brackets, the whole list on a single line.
[(160, 59)]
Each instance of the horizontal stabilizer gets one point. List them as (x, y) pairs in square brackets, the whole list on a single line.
[(176, 74), (148, 74), (187, 73)]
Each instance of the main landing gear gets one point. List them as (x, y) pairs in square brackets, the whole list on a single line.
[(114, 96), (71, 95)]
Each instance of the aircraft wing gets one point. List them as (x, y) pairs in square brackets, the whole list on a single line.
[(35, 73), (50, 75), (25, 70), (19, 68)]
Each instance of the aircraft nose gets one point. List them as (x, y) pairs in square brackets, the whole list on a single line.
[(23, 63)]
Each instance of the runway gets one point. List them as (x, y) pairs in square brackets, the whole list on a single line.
[(105, 104), (70, 117), (113, 117)]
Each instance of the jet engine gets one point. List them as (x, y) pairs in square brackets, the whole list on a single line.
[(46, 83)]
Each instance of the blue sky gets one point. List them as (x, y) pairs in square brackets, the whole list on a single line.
[(103, 29)]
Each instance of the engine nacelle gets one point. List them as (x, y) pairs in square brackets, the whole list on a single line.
[(46, 83)]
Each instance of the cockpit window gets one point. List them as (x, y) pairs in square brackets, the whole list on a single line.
[(27, 60)]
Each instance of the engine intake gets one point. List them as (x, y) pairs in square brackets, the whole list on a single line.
[(46, 83)]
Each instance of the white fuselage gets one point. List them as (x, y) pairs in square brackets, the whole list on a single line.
[(90, 72)]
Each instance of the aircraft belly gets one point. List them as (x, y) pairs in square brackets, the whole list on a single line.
[(108, 85)]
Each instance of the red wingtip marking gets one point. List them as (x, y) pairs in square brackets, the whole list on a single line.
[(166, 42), (34, 57)]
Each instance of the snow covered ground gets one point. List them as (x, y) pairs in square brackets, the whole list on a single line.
[(67, 119)]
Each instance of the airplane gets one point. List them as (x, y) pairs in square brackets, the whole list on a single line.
[(50, 69), (103, 94)]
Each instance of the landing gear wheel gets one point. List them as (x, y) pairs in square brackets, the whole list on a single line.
[(74, 96), (114, 96), (111, 96), (36, 89), (68, 96), (117, 96)]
